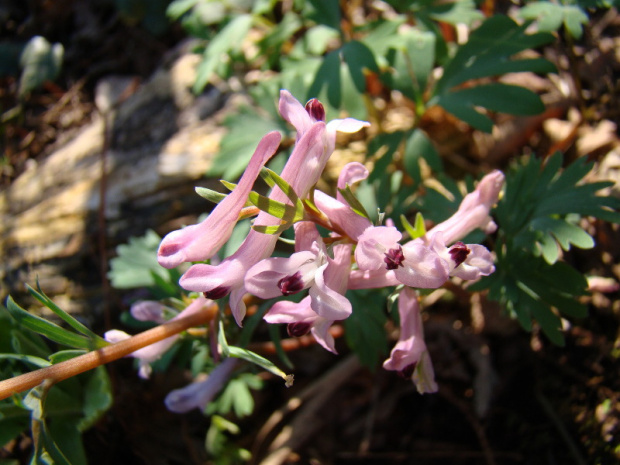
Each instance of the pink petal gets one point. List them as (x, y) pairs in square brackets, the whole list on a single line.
[(201, 241), (148, 310), (473, 213), (306, 236), (423, 267), (199, 394), (262, 279), (351, 173), (341, 215), (348, 125), (372, 245), (372, 279), (478, 263), (320, 331), (294, 112), (330, 283), (285, 311)]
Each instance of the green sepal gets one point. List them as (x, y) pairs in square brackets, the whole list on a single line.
[(353, 202), (47, 328)]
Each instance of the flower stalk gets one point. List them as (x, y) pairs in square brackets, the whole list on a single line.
[(75, 366)]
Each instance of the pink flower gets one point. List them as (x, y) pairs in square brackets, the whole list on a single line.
[(410, 356), (301, 319), (325, 304), (152, 353), (473, 213), (415, 264), (201, 241), (148, 310), (314, 145), (427, 262), (278, 276), (199, 394)]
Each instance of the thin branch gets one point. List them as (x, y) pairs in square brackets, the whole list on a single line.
[(90, 360)]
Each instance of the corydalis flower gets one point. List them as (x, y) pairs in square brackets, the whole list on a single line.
[(410, 356), (278, 276), (153, 352), (325, 304), (314, 144), (473, 212), (201, 241), (200, 393), (427, 262)]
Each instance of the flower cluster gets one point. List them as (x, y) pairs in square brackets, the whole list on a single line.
[(356, 254)]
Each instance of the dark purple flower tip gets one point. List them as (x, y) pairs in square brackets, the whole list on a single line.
[(298, 329), (407, 372), (290, 285), (459, 253), (394, 258), (315, 109), (217, 293)]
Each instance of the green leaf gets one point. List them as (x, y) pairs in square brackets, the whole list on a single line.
[(256, 359), (45, 449), (47, 328), (498, 97), (283, 31), (420, 54), (416, 231), (219, 50), (359, 58), (326, 12), (388, 143), (237, 396), (64, 355), (210, 194), (489, 50), (75, 324), (451, 12), (136, 262), (97, 399), (551, 16), (548, 15), (549, 322), (365, 333), (316, 40), (245, 130), (328, 76), (574, 19), (31, 359), (274, 334), (353, 202), (13, 421), (418, 146), (276, 209), (178, 8), (273, 179)]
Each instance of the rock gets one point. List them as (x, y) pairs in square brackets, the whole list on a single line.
[(155, 143)]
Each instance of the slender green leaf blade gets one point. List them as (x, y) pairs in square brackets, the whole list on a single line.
[(47, 328)]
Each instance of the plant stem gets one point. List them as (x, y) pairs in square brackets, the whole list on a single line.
[(90, 360)]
